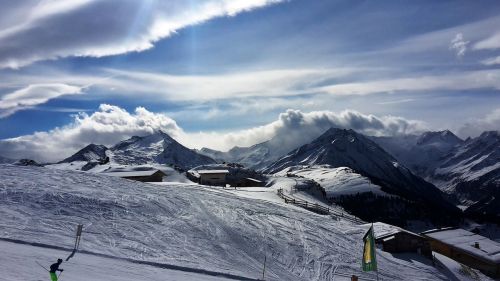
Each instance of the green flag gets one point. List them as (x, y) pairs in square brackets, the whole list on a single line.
[(369, 255)]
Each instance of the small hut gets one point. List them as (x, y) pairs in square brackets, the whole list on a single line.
[(394, 239), (213, 177), (144, 176)]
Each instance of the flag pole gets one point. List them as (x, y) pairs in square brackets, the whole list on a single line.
[(375, 249)]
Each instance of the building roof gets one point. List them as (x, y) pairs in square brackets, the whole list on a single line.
[(384, 230), (465, 240), (213, 172), (133, 173)]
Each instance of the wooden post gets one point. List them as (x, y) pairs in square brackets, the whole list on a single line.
[(264, 270), (354, 278)]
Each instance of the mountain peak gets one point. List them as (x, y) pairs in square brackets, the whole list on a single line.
[(158, 147), (92, 152), (489, 134), (439, 137)]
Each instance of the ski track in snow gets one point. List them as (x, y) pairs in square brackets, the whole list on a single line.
[(185, 225)]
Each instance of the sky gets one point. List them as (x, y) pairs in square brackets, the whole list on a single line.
[(221, 73)]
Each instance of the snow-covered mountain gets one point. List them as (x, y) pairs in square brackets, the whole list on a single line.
[(346, 148), (92, 152), (420, 153), (256, 156), (156, 148), (472, 172), (469, 171), (260, 155)]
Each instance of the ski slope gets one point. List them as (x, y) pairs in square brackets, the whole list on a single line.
[(18, 262), (184, 225)]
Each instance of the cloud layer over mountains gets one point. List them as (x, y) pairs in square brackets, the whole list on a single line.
[(111, 124)]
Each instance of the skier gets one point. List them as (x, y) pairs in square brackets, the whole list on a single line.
[(55, 267)]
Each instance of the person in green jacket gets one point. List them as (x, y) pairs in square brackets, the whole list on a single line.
[(55, 267)]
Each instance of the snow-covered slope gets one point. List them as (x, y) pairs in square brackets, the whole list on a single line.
[(336, 181), (5, 160), (346, 148), (18, 262), (183, 225)]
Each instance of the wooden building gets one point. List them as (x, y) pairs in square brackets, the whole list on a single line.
[(468, 248), (144, 176), (394, 239), (213, 177)]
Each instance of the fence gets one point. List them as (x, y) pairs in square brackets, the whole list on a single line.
[(304, 204), (315, 207)]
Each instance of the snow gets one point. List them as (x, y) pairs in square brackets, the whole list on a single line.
[(112, 169), (213, 171), (383, 229), (177, 224), (18, 262), (457, 271), (336, 181), (465, 240)]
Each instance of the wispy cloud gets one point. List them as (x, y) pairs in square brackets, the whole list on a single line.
[(55, 29), (270, 83), (491, 61), (459, 45), (34, 95), (474, 127), (396, 101), (492, 42), (456, 81)]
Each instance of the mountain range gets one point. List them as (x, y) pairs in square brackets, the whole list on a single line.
[(468, 171), (465, 172)]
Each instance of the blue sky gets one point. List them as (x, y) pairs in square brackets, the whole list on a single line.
[(222, 69)]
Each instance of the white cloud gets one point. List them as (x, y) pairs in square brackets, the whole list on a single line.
[(459, 45), (50, 29), (492, 42), (456, 81), (33, 95), (112, 124), (107, 126), (274, 82), (295, 128), (491, 61), (474, 127)]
